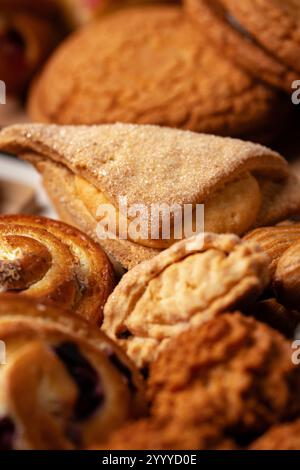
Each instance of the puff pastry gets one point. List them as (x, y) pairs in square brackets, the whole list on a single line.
[(64, 384), (182, 287), (242, 185), (49, 260)]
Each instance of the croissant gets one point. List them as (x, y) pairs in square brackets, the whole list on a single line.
[(242, 185), (49, 260), (65, 384)]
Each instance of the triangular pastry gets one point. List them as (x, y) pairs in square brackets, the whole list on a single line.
[(242, 185)]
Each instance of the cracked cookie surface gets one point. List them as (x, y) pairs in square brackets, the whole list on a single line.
[(182, 287), (151, 66)]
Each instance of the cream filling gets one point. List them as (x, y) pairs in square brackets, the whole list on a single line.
[(232, 209)]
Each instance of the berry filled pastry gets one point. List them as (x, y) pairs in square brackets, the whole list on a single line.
[(64, 384), (49, 260)]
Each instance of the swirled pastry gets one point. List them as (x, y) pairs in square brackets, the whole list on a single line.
[(65, 385), (191, 282), (241, 185), (49, 260)]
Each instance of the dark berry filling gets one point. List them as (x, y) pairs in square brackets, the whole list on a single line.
[(124, 369), (7, 433), (91, 394)]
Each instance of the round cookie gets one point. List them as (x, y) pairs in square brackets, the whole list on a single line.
[(152, 66), (263, 36)]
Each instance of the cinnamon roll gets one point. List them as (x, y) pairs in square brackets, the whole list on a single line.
[(49, 260), (64, 383)]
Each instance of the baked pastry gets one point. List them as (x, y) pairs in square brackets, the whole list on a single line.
[(188, 284), (283, 437), (152, 66), (282, 244), (262, 36), (241, 185), (233, 371), (48, 260), (157, 434), (64, 384)]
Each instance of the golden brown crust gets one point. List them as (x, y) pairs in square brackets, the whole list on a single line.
[(49, 260), (283, 437), (184, 286), (65, 384), (175, 93), (202, 168), (260, 36), (233, 369), (156, 434)]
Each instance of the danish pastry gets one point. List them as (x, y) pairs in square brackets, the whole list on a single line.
[(191, 282), (241, 185), (65, 384), (48, 260), (153, 66)]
